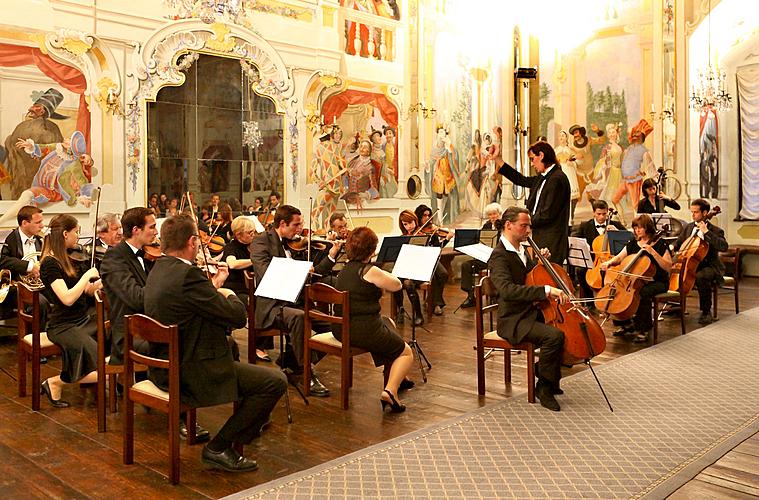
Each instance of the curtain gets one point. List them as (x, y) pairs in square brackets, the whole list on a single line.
[(748, 111), (336, 104), (67, 77)]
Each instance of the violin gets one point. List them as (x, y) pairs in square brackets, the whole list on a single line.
[(692, 252), (624, 281), (78, 253), (583, 336), (301, 243), (152, 251), (594, 276)]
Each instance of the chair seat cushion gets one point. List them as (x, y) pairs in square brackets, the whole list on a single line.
[(148, 387), (327, 339), (668, 295), (493, 336), (729, 281), (44, 341)]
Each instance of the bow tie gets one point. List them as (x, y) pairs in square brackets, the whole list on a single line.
[(600, 226), (140, 253)]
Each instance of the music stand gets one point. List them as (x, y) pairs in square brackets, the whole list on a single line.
[(391, 247), (272, 286), (663, 220), (579, 253), (417, 263), (465, 237), (618, 239)]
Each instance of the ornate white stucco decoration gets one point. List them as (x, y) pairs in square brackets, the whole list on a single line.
[(155, 66)]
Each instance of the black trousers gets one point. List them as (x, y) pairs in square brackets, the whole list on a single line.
[(705, 279), (260, 388), (550, 340), (644, 319), (470, 271)]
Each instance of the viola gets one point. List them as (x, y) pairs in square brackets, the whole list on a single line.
[(687, 259), (300, 243), (623, 282), (152, 251), (583, 336)]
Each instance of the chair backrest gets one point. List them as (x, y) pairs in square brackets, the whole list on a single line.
[(731, 260), (145, 327), (484, 288), (28, 311), (322, 294), (250, 281), (103, 315)]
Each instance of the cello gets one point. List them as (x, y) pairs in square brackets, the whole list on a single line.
[(595, 277), (583, 336), (687, 259), (624, 281)]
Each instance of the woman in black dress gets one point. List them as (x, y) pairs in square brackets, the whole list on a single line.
[(369, 329), (651, 203), (69, 326)]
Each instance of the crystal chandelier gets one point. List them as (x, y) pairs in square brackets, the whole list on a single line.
[(251, 134), (208, 11), (711, 91)]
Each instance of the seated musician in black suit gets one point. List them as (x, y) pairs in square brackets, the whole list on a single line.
[(711, 269), (658, 255), (270, 313), (519, 319), (590, 230), (470, 269), (178, 292)]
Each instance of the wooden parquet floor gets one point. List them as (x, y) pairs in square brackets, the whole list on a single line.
[(58, 453)]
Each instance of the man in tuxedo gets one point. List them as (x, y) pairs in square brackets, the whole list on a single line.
[(109, 234), (178, 292), (590, 230), (549, 200), (24, 241), (270, 313), (519, 319), (711, 269)]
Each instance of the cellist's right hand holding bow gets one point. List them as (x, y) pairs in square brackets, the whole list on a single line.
[(559, 295), (605, 265)]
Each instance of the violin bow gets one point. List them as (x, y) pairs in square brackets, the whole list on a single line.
[(95, 229), (310, 229), (202, 245), (348, 213), (428, 221)]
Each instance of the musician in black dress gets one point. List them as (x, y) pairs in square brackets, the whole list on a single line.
[(471, 268), (659, 256), (710, 270), (237, 256), (69, 325), (438, 238), (369, 329), (653, 203)]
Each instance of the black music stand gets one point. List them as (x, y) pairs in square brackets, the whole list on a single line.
[(273, 287), (417, 263), (618, 239)]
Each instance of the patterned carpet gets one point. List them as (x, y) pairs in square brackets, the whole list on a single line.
[(678, 407)]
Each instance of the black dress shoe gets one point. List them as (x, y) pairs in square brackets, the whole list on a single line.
[(57, 403), (266, 358), (400, 317), (555, 388), (228, 460), (469, 302), (621, 332), (438, 311), (201, 435), (705, 319), (543, 393), (418, 321), (317, 388)]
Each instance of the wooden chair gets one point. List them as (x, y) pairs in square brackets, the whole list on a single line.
[(732, 260), (147, 393), (32, 344), (320, 293), (491, 340), (104, 369), (255, 333)]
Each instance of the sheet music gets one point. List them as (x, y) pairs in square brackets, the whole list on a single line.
[(478, 251), (256, 223), (579, 253), (416, 263), (274, 285)]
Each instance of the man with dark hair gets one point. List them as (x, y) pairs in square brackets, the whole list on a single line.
[(590, 230), (519, 319), (20, 254), (711, 269), (549, 199), (178, 292), (270, 313)]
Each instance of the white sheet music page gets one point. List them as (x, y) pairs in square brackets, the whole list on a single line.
[(284, 279), (579, 253), (416, 263), (478, 251)]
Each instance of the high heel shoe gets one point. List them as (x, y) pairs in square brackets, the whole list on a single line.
[(395, 406), (57, 403), (406, 384)]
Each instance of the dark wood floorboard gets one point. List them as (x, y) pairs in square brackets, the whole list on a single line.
[(58, 453)]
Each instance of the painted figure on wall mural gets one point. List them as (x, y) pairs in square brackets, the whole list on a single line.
[(443, 174), (580, 146), (38, 128), (64, 174), (568, 165), (708, 149), (637, 165), (361, 181), (491, 180), (388, 185), (329, 169), (607, 174)]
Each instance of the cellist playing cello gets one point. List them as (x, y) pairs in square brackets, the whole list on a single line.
[(710, 270), (658, 255), (519, 319)]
